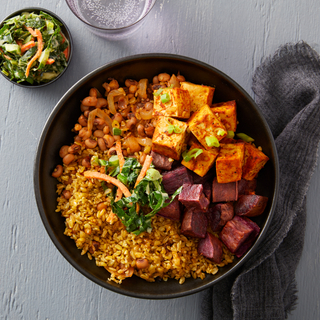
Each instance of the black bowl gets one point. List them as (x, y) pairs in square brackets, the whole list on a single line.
[(57, 132), (64, 30)]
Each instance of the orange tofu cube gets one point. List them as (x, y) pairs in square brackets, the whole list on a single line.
[(178, 105), (204, 162), (229, 162), (169, 144), (204, 123), (227, 113), (254, 161), (199, 94)]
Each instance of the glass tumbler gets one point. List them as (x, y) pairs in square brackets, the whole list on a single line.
[(111, 19)]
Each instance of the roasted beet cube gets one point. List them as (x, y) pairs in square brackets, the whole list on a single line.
[(207, 190), (214, 217), (250, 205), (211, 248), (219, 214), (238, 234), (172, 211), (222, 192), (192, 196), (161, 161), (247, 186), (172, 180), (194, 223)]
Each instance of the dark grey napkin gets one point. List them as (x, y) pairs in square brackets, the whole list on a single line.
[(287, 90)]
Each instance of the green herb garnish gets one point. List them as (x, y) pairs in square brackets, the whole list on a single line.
[(116, 131), (244, 137), (212, 142), (220, 132), (158, 92), (173, 129), (230, 134), (193, 153), (165, 97)]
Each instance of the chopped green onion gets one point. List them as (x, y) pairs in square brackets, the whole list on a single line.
[(165, 97), (158, 92), (113, 161), (94, 161), (116, 131), (220, 132), (171, 86), (193, 153), (244, 137), (173, 129), (212, 142), (230, 134)]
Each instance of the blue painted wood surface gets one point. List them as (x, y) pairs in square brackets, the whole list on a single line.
[(36, 282)]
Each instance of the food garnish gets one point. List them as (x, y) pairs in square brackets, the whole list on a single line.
[(33, 48)]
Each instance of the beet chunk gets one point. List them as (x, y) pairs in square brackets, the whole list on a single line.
[(250, 205), (172, 180), (214, 217), (247, 186), (172, 211), (194, 223), (223, 192), (219, 214), (238, 234), (207, 190), (211, 248), (193, 196), (161, 161)]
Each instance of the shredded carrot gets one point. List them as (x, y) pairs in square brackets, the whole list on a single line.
[(105, 177), (27, 46), (50, 61), (120, 155), (111, 216), (145, 167), (36, 33), (118, 195), (7, 57)]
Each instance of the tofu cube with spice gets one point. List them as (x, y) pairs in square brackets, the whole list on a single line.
[(254, 161), (227, 113), (199, 94), (207, 128), (203, 162), (171, 102), (229, 162), (169, 137)]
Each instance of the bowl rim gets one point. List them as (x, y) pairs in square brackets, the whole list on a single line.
[(109, 29), (48, 228), (17, 12)]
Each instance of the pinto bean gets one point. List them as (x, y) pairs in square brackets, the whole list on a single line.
[(142, 263), (131, 123), (84, 133), (109, 140), (67, 159), (102, 144), (130, 82), (89, 101), (98, 133), (149, 130), (118, 117), (140, 130), (63, 151), (90, 143), (101, 103), (75, 148), (163, 77), (57, 172), (67, 194), (86, 162)]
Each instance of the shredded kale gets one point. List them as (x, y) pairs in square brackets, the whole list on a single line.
[(148, 197), (14, 34)]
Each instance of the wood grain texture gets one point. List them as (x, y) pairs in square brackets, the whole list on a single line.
[(36, 282)]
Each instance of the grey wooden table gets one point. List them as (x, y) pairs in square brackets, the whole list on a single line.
[(36, 282)]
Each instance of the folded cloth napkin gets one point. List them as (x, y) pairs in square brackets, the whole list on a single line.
[(287, 90)]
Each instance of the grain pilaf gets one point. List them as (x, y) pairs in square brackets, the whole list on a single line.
[(106, 219), (169, 253)]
